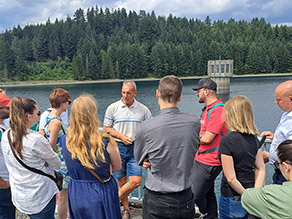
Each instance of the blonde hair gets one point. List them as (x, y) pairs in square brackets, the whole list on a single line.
[(19, 108), (84, 140), (239, 116)]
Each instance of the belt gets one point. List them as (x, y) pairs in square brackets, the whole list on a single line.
[(181, 193)]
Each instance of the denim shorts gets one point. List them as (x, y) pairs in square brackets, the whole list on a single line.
[(129, 164), (230, 207)]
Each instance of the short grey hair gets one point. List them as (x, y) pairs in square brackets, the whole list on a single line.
[(130, 82)]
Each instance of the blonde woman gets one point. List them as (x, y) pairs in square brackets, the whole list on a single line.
[(90, 157), (241, 157), (60, 100), (32, 193)]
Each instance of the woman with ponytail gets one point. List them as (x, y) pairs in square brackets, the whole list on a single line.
[(91, 157), (32, 193)]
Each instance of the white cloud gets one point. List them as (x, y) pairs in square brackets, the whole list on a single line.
[(196, 8), (14, 12)]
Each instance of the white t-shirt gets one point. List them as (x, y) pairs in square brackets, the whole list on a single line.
[(43, 117)]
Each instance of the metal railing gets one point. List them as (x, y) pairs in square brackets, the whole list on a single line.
[(138, 199)]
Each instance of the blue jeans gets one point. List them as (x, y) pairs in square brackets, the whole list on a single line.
[(129, 164), (176, 205), (7, 209), (230, 207), (48, 212)]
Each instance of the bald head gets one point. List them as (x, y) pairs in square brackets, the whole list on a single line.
[(283, 95)]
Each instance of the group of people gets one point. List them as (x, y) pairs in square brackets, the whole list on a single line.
[(182, 154)]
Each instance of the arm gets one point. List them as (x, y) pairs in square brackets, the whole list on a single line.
[(259, 170), (115, 157), (140, 149), (4, 184), (42, 131), (124, 138), (43, 150), (229, 172), (54, 129), (265, 156), (255, 201), (207, 137)]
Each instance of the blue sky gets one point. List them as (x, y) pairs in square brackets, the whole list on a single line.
[(22, 12)]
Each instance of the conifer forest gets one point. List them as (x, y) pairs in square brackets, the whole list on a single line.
[(99, 43)]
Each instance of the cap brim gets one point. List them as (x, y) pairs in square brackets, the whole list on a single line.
[(196, 88)]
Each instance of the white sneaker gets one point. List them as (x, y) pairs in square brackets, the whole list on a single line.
[(203, 215)]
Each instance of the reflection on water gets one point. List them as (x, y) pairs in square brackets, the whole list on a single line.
[(260, 92)]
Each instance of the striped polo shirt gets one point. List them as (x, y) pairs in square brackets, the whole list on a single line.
[(125, 119)]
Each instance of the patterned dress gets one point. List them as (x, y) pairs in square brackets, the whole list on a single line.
[(62, 132)]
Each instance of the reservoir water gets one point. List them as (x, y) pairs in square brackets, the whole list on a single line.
[(259, 90)]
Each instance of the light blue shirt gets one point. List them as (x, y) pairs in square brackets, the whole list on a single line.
[(283, 132)]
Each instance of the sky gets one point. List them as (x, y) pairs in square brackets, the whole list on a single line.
[(22, 12)]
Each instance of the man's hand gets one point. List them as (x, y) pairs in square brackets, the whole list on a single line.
[(269, 135), (265, 156), (126, 139), (146, 163), (4, 184)]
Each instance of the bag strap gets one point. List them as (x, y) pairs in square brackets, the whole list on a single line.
[(213, 107), (26, 166), (98, 177), (59, 120)]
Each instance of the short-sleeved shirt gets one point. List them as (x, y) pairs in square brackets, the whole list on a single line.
[(283, 132), (213, 124), (125, 119), (270, 201), (243, 149)]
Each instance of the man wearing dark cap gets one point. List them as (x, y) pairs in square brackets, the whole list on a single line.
[(207, 165), (7, 209)]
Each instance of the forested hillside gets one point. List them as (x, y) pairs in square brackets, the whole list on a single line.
[(100, 44)]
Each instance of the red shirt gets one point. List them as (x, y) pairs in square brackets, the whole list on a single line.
[(215, 125)]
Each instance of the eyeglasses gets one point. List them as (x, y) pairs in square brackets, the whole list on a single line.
[(69, 101), (5, 107), (277, 163), (199, 90)]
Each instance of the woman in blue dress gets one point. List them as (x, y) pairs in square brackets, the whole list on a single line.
[(90, 157)]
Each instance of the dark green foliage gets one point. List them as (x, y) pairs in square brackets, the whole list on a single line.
[(100, 44)]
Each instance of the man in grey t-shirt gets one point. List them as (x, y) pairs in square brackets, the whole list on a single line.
[(166, 144)]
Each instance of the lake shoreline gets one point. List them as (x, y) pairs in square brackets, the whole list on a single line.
[(68, 82)]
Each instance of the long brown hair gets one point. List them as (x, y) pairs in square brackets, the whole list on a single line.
[(84, 140), (19, 108)]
